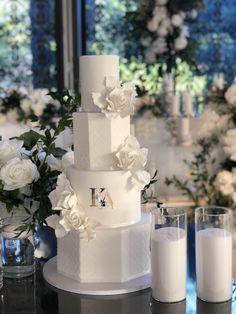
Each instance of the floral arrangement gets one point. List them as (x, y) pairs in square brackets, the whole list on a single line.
[(212, 171), (37, 106), (117, 99), (30, 166), (162, 29)]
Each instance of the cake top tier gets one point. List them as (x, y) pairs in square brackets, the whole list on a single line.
[(93, 71)]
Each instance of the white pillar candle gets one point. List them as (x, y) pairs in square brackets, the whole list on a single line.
[(168, 264), (175, 106), (214, 264), (184, 130), (188, 104)]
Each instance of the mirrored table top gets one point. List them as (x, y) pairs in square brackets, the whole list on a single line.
[(34, 295)]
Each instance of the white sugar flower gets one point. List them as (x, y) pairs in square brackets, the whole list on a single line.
[(63, 197), (159, 46), (140, 178), (224, 182), (116, 100), (131, 156), (176, 20), (181, 43), (53, 221), (9, 149), (17, 173), (230, 95), (230, 144)]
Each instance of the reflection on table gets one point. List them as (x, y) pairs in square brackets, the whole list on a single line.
[(33, 295)]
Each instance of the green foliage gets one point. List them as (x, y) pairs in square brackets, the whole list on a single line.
[(144, 193), (200, 186)]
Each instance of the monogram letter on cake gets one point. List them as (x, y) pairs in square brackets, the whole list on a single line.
[(100, 197)]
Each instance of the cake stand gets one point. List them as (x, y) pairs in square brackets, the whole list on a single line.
[(64, 283)]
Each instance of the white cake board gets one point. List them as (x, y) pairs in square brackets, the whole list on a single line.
[(61, 282)]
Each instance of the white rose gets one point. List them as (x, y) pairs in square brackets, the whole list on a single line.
[(181, 43), (230, 95), (131, 156), (116, 100), (159, 46), (9, 149), (38, 108), (162, 31), (67, 160), (152, 25), (25, 105), (17, 173), (63, 197), (224, 182), (176, 20), (72, 219), (230, 144), (140, 178), (54, 163)]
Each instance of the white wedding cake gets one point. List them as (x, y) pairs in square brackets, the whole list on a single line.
[(105, 236)]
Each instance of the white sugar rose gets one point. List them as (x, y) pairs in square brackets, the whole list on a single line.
[(53, 221), (140, 178), (17, 173), (181, 43), (63, 197), (131, 156), (117, 99), (161, 2), (230, 95), (9, 149), (72, 219)]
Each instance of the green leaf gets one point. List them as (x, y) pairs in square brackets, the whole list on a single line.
[(30, 139)]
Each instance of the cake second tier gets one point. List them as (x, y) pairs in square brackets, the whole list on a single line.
[(108, 197), (97, 138)]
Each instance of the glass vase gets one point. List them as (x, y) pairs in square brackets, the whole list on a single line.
[(17, 247)]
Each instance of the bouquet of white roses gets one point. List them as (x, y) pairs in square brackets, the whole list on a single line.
[(29, 168)]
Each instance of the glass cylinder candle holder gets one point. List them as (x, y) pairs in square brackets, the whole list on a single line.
[(168, 254), (213, 227)]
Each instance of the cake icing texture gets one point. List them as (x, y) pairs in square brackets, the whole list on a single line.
[(99, 196)]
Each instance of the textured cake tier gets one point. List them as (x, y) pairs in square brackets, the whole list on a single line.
[(115, 255), (96, 138), (93, 70), (118, 205)]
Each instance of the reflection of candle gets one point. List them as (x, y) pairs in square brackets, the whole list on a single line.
[(168, 264), (214, 264), (188, 104), (184, 129), (216, 308), (175, 106)]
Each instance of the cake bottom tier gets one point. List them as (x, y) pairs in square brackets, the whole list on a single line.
[(115, 255)]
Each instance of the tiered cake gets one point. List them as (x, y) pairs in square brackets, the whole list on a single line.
[(120, 250)]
